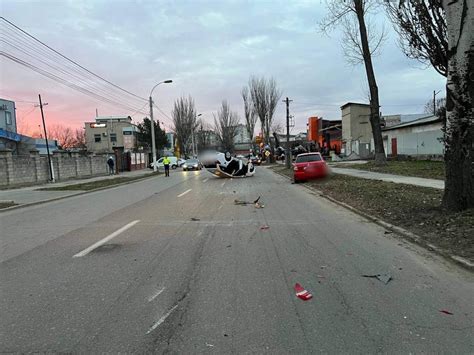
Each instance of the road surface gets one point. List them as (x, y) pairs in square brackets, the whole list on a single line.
[(172, 265)]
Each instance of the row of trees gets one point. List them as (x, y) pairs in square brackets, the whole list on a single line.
[(436, 31), (260, 99)]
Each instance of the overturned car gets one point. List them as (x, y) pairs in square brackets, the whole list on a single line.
[(226, 166)]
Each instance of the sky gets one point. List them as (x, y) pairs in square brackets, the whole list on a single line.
[(208, 48)]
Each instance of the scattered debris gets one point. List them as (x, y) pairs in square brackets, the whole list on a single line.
[(320, 276), (349, 253), (256, 203), (259, 205), (225, 335), (265, 227), (257, 199), (293, 270), (209, 345), (387, 232), (385, 278), (302, 293), (323, 266), (229, 246), (195, 219), (446, 312), (240, 202)]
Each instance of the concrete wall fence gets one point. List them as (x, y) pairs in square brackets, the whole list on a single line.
[(21, 170)]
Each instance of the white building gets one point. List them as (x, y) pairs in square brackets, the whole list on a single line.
[(421, 138)]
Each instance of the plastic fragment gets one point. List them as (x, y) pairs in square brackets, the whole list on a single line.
[(195, 219), (302, 293), (265, 227), (446, 312), (385, 278)]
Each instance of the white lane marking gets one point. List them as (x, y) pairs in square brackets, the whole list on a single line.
[(220, 207), (223, 184), (184, 193), (161, 320), (157, 293), (105, 240), (205, 180)]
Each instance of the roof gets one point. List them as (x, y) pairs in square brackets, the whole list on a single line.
[(417, 122), (354, 103)]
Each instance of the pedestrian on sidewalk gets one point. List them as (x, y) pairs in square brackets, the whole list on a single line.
[(166, 164), (111, 163)]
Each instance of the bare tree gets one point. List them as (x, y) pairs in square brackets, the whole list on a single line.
[(184, 121), (360, 44), (440, 106), (225, 126), (422, 30), (265, 96), (64, 135), (79, 139), (441, 31), (250, 115), (204, 135)]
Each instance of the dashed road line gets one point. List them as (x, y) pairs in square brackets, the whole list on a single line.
[(205, 180), (156, 294), (223, 184), (161, 320), (105, 240), (184, 193)]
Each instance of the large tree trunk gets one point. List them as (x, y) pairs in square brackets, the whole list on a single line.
[(380, 158), (458, 193)]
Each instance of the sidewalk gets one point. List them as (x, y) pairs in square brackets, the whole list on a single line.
[(31, 194), (398, 179)]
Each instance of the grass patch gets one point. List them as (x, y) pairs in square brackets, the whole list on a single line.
[(414, 208), (86, 186), (419, 168), (6, 204)]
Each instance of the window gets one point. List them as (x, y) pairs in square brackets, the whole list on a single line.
[(308, 158), (8, 117), (113, 137), (97, 138)]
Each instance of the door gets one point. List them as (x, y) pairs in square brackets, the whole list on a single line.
[(394, 147)]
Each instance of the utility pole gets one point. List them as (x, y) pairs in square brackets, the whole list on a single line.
[(96, 113), (51, 170), (152, 126), (288, 151)]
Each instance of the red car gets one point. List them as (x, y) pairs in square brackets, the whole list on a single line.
[(309, 166)]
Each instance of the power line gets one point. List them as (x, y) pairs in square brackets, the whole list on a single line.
[(70, 60), (62, 81), (58, 64)]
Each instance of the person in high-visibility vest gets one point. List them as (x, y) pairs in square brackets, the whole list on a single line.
[(166, 164)]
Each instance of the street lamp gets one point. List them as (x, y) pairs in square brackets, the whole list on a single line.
[(192, 137), (153, 149)]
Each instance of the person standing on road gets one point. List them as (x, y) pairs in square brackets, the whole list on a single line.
[(110, 163), (166, 164)]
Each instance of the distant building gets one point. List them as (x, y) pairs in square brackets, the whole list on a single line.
[(325, 134), (242, 141), (112, 133), (9, 138), (421, 138), (356, 130)]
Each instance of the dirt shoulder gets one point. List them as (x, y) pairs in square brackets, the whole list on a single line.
[(419, 168), (413, 208)]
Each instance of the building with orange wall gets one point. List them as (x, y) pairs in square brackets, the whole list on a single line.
[(325, 133)]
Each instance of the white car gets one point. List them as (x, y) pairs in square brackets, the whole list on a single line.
[(174, 163)]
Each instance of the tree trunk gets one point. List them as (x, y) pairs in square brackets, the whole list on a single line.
[(380, 158), (458, 193)]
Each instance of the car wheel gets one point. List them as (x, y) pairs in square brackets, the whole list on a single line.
[(173, 167)]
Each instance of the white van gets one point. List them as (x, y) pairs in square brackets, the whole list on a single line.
[(174, 163)]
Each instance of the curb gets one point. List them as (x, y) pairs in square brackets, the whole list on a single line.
[(399, 230), (78, 194)]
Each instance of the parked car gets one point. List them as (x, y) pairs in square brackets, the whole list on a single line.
[(174, 163), (255, 160), (192, 164), (309, 166)]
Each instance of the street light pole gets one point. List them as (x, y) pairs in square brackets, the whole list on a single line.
[(152, 124)]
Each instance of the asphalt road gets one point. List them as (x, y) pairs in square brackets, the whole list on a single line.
[(162, 282)]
